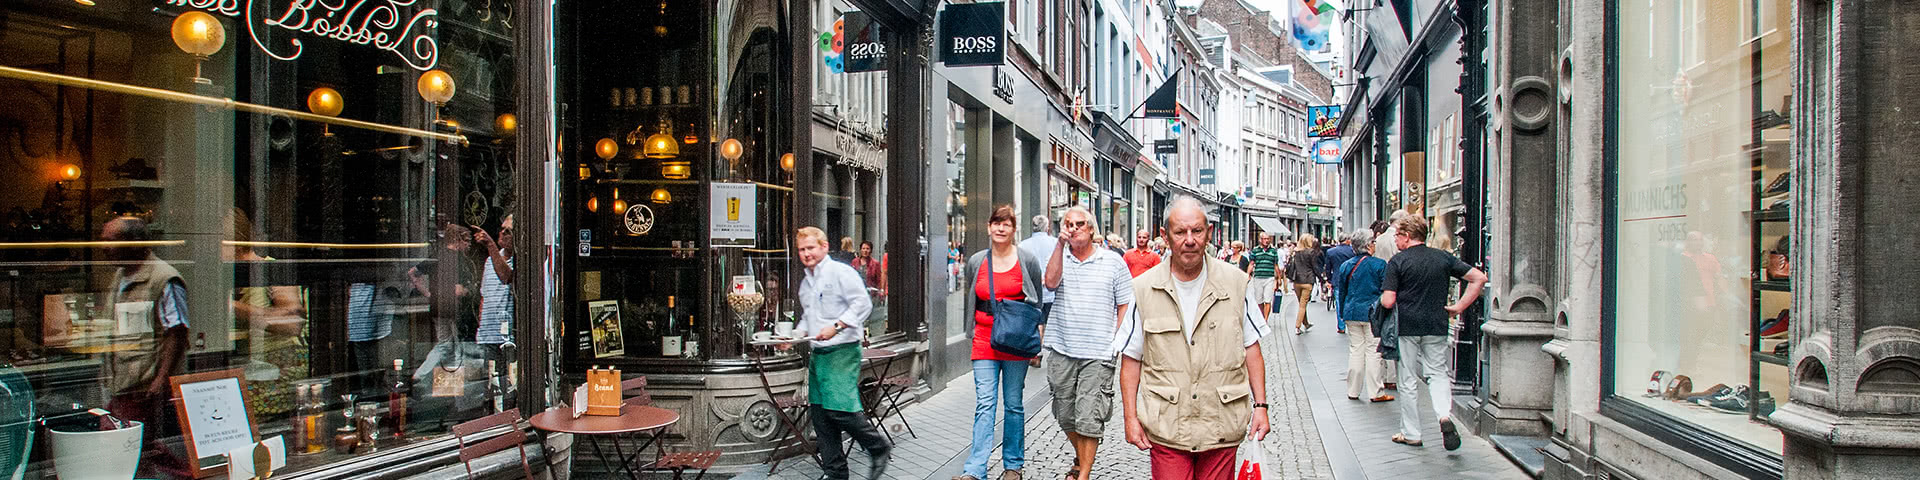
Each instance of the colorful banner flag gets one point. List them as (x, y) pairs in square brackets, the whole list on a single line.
[(1312, 20)]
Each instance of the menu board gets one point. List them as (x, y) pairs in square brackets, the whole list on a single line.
[(213, 413)]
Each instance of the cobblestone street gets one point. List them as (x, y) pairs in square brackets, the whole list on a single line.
[(1317, 432)]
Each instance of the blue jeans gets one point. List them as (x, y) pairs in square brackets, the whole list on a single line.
[(998, 381)]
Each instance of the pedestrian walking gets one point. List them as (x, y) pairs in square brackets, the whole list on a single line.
[(834, 308), (1383, 248), (1236, 254), (1116, 245), (1205, 387), (1416, 286), (1303, 269), (1261, 265), (999, 378), (1039, 245), (1142, 256), (1357, 281), (1092, 290), (1337, 256)]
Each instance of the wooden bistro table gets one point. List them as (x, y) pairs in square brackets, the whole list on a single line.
[(633, 419)]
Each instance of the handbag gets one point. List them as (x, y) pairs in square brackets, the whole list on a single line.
[(1014, 322)]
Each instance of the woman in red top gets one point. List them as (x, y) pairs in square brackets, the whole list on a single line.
[(999, 378)]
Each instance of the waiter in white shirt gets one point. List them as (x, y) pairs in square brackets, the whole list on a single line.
[(834, 307)]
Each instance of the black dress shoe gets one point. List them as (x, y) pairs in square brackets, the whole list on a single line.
[(878, 469)]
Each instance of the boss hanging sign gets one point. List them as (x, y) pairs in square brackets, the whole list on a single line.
[(973, 34), (866, 49)]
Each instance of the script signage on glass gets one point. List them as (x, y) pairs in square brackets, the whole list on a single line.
[(973, 34), (396, 26)]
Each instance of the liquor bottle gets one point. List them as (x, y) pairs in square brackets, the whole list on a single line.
[(494, 391), (670, 341), (299, 420), (315, 420), (397, 392)]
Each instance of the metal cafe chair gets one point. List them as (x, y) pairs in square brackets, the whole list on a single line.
[(676, 462), (470, 449)]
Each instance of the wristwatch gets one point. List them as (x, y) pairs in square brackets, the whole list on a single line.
[(1261, 405)]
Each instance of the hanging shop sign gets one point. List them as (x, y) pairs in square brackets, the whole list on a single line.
[(390, 25), (973, 34), (730, 217), (1326, 151), (1323, 121), (1162, 103), (866, 46), (1206, 176), (1166, 147)]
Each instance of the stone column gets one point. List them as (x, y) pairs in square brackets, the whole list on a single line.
[(1855, 363), (1575, 347), (1523, 185)]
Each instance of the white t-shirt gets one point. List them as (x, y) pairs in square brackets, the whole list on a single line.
[(1132, 340)]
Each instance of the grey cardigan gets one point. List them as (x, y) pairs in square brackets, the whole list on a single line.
[(1031, 278)]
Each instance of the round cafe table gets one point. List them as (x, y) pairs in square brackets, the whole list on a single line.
[(633, 419)]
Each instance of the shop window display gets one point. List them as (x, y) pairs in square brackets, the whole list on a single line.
[(1698, 330), (323, 221)]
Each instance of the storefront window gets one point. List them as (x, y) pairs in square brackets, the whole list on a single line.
[(677, 128), (1700, 227), (206, 199)]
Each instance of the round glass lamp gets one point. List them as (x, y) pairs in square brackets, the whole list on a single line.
[(435, 86), (606, 148), (786, 162), (660, 195), (325, 102), (731, 149), (200, 35), (70, 172), (506, 124)]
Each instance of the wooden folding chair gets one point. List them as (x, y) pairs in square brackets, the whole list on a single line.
[(471, 450), (676, 462)]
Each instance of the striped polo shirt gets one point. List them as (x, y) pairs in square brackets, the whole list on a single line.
[(1086, 306), (1264, 259)]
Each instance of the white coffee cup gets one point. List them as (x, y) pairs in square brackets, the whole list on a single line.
[(783, 327), (762, 336)]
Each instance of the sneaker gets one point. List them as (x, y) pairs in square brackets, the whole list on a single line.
[(1780, 184), (1708, 394), (1783, 349), (1738, 400), (1775, 327), (1658, 383)]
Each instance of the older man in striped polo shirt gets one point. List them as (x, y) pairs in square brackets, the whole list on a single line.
[(1093, 289)]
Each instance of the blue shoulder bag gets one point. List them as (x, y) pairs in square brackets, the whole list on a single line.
[(1015, 323)]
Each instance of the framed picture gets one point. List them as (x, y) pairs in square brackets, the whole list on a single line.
[(607, 340), (213, 416)]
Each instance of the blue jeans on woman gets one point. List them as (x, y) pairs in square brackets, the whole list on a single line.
[(998, 381)]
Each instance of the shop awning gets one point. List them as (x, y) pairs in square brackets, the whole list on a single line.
[(1271, 225)]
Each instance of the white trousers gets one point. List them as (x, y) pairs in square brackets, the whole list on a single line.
[(1424, 366), (1363, 361)]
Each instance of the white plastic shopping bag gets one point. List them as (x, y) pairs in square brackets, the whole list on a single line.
[(1250, 461)]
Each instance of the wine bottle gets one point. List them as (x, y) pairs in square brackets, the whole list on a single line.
[(397, 392)]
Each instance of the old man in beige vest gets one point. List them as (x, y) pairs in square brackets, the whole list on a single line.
[(1192, 380)]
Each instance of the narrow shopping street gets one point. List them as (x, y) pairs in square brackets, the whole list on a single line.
[(1317, 432)]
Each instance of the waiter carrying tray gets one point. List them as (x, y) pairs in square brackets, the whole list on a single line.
[(834, 307)]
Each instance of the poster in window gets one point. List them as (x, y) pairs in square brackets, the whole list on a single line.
[(607, 341)]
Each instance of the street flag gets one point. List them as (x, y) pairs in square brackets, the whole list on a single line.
[(1162, 103), (1311, 21)]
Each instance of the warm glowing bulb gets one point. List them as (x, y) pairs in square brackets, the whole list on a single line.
[(619, 206), (506, 123), (731, 149), (593, 204), (786, 162), (70, 172), (660, 195), (198, 33), (606, 148), (661, 145), (676, 170), (325, 101), (435, 86)]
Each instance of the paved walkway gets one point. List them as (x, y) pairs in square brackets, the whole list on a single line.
[(1317, 432)]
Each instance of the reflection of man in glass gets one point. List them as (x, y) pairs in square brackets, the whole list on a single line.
[(458, 241), (150, 332)]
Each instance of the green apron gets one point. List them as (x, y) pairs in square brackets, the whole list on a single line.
[(833, 378)]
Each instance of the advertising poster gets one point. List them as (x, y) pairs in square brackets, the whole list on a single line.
[(607, 341), (731, 217), (1323, 121)]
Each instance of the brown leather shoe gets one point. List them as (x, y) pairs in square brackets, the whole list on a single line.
[(1383, 398), (1010, 475)]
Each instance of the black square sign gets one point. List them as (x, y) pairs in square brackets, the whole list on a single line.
[(974, 34)]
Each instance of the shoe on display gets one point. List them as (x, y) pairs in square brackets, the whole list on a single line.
[(1737, 400), (1658, 384), (1678, 387), (1715, 391), (1775, 327), (1783, 348), (1780, 184)]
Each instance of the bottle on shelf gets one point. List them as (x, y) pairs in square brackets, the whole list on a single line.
[(314, 419), (299, 420), (397, 392)]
